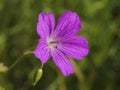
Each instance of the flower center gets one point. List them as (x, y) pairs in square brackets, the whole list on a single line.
[(52, 43)]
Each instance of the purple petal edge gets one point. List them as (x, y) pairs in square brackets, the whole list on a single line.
[(42, 52), (62, 62), (75, 47), (68, 24), (45, 24)]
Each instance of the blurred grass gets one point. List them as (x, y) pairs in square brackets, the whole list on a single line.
[(101, 26)]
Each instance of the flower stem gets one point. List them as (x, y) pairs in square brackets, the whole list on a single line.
[(24, 54), (41, 66)]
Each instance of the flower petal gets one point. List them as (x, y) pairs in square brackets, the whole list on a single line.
[(45, 24), (62, 62), (75, 47), (68, 24), (42, 51)]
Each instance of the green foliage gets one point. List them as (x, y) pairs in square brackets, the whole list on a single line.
[(100, 70)]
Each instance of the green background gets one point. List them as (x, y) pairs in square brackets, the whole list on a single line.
[(100, 70)]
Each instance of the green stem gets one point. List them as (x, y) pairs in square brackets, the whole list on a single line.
[(24, 54), (41, 66)]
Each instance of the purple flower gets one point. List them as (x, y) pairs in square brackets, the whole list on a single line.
[(60, 42)]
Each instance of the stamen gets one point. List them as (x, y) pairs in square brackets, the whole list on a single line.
[(52, 43)]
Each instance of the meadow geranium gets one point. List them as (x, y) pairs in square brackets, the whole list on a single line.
[(61, 41)]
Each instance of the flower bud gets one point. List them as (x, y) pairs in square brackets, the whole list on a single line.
[(37, 76)]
